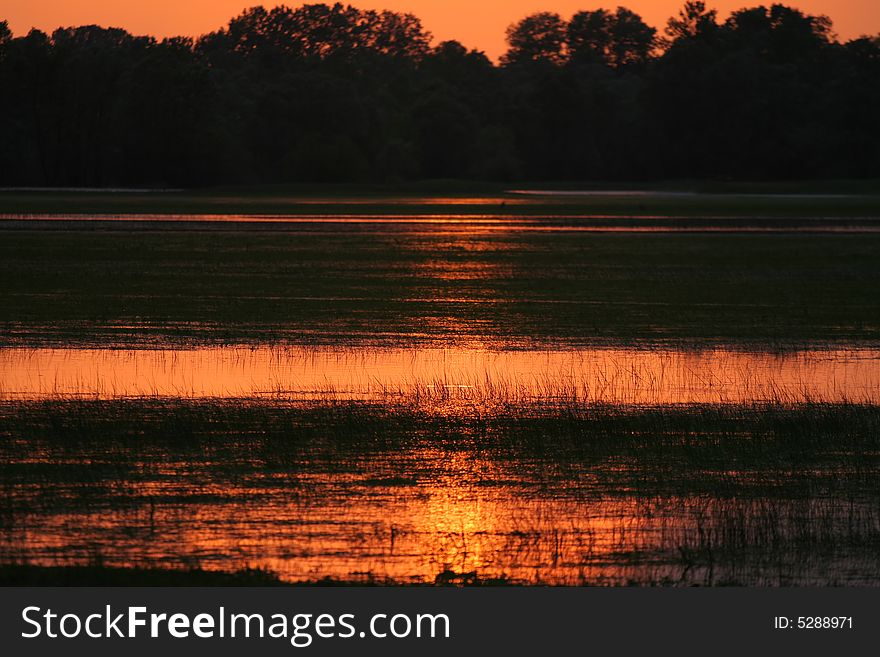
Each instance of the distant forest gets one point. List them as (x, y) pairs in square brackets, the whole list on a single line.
[(333, 93)]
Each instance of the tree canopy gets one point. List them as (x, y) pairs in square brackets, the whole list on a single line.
[(335, 93)]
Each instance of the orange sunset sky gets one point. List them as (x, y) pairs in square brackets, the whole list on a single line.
[(476, 23)]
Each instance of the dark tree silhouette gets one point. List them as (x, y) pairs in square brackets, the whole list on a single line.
[(749, 97), (334, 93), (536, 38), (694, 20), (614, 39), (321, 31)]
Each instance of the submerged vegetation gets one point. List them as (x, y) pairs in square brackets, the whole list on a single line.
[(448, 495), (503, 480), (445, 284), (509, 475)]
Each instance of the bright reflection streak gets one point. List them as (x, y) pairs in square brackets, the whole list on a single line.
[(445, 520), (615, 376)]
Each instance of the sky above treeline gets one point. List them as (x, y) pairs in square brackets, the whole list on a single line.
[(477, 24)]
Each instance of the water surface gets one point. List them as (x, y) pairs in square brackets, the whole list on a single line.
[(353, 493), (465, 216), (496, 390), (611, 376)]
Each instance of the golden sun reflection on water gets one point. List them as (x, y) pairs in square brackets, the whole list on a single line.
[(348, 527), (458, 515), (615, 376), (425, 510)]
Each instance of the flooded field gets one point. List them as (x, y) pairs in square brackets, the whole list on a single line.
[(601, 376), (478, 215), (125, 284), (438, 492), (456, 401)]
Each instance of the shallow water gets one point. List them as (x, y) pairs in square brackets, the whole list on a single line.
[(413, 396), (485, 216), (418, 514), (327, 498), (611, 376)]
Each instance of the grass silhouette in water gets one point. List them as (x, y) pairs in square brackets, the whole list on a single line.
[(356, 285), (372, 493)]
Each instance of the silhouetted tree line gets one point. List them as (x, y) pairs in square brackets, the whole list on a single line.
[(334, 93)]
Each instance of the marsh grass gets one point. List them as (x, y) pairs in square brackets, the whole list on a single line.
[(769, 494), (352, 286), (441, 482)]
